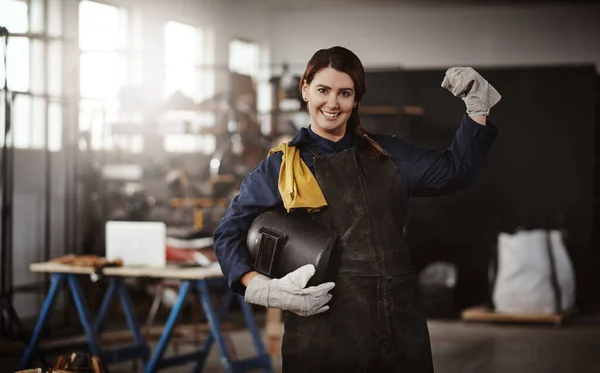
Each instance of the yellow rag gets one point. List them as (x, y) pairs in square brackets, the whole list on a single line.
[(297, 185)]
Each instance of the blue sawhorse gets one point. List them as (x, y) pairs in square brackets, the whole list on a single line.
[(140, 349), (91, 327), (261, 361)]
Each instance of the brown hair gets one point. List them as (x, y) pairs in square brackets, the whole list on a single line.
[(345, 61)]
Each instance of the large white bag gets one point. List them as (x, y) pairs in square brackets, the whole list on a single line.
[(524, 281)]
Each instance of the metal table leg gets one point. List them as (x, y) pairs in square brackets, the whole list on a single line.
[(168, 330), (55, 283), (107, 301), (134, 327), (87, 320), (262, 360)]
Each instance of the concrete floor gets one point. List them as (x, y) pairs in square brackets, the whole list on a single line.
[(484, 348), (464, 348)]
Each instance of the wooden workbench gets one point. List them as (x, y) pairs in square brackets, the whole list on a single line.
[(170, 272)]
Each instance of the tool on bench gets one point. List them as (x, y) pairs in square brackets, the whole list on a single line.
[(74, 363), (97, 262)]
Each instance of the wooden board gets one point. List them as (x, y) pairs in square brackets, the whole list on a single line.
[(50, 267), (484, 314), (172, 272)]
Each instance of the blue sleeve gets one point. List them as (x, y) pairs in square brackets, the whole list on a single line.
[(428, 173), (435, 174), (258, 193)]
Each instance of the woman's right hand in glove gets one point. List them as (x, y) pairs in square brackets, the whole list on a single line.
[(290, 293)]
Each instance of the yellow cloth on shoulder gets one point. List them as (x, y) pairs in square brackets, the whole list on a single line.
[(297, 185)]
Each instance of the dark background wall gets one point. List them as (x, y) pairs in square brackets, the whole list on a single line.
[(540, 171)]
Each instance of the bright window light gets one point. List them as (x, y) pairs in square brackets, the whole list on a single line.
[(190, 143), (27, 73), (17, 62), (37, 126), (13, 16), (102, 35), (185, 48), (101, 27), (103, 43), (102, 74), (244, 57), (182, 43), (21, 114)]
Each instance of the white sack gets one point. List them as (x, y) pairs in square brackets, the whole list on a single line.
[(523, 281)]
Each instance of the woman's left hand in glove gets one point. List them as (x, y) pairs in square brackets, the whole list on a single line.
[(479, 95)]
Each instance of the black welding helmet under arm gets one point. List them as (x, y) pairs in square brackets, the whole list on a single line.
[(281, 242)]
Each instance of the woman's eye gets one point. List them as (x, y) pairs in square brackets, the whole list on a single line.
[(321, 90), (345, 94)]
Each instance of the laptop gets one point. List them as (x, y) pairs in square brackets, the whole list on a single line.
[(137, 243)]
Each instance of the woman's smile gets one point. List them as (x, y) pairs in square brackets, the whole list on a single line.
[(330, 115)]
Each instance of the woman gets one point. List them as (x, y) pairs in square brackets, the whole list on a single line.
[(368, 318)]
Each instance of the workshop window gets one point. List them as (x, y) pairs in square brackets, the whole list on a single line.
[(14, 18), (181, 54), (244, 57), (102, 42), (106, 59), (188, 79), (34, 72)]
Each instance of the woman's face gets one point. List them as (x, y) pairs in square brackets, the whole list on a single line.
[(331, 98)]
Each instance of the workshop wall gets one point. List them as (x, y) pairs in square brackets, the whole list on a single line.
[(421, 36), (539, 173)]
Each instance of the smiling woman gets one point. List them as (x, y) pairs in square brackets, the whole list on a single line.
[(330, 98), (366, 315), (332, 86)]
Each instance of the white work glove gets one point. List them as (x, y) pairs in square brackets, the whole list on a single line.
[(466, 83), (290, 293)]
